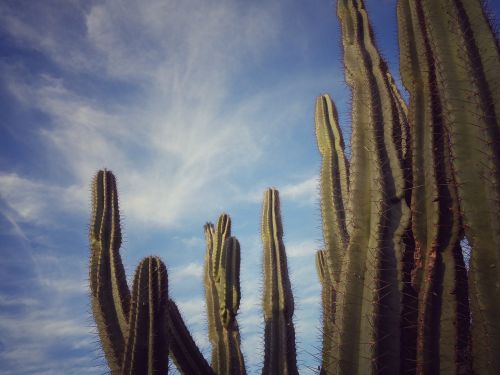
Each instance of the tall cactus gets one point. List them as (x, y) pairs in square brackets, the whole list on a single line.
[(222, 293), (278, 305), (398, 288), (367, 260)]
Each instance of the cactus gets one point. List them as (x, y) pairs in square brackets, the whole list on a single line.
[(138, 332), (395, 288), (133, 331), (279, 337), (222, 292), (183, 350)]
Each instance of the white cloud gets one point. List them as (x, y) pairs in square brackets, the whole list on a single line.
[(306, 190), (191, 270), (38, 202), (13, 301), (192, 310), (303, 248)]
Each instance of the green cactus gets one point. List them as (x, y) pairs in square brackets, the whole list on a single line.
[(395, 290), (222, 292), (278, 306), (138, 332)]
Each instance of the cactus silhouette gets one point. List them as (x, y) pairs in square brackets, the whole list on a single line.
[(422, 178)]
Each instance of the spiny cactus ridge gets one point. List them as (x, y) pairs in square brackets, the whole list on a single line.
[(397, 296)]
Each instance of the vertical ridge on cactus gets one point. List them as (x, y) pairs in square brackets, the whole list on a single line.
[(467, 63), (277, 301), (436, 222)]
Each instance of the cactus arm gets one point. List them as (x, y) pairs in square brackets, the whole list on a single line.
[(334, 182), (212, 299), (110, 296), (467, 61), (369, 296), (328, 313), (278, 305), (184, 351), (147, 345)]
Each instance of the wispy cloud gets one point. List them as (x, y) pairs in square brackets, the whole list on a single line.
[(38, 202), (192, 270), (302, 248)]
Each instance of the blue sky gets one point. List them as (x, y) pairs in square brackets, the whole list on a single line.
[(197, 106)]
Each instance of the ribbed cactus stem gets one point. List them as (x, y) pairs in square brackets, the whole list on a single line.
[(367, 338), (467, 62), (230, 281), (334, 183), (328, 313), (148, 345), (278, 304), (222, 293), (183, 349), (212, 300), (110, 296), (443, 313)]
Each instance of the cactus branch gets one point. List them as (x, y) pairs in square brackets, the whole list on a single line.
[(278, 305)]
